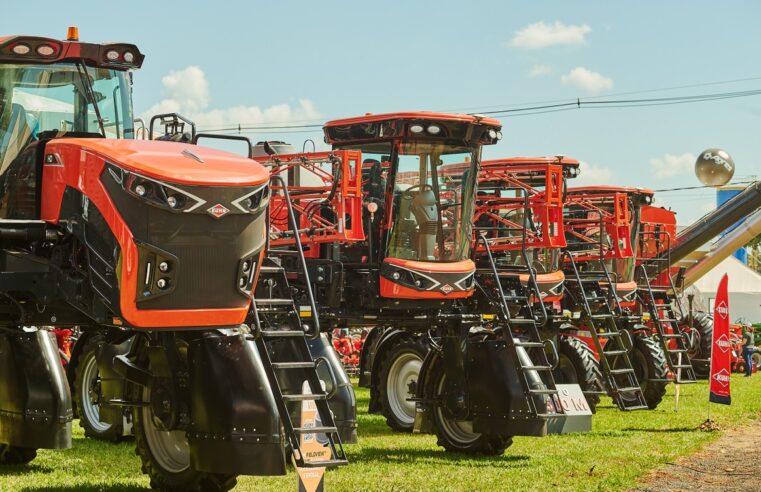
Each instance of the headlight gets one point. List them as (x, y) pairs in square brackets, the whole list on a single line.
[(253, 201), (155, 192)]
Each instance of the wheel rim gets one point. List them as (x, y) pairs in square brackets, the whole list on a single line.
[(402, 376), (90, 396), (170, 449), (460, 431)]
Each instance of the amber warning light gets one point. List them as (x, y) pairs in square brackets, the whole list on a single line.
[(72, 34)]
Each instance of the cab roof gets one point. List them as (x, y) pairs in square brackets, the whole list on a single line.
[(64, 50), (415, 115), (607, 189), (530, 160)]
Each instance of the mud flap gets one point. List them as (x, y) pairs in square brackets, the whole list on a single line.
[(112, 385), (425, 392), (235, 426), (35, 400), (341, 399)]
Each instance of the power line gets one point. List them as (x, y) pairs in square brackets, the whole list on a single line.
[(665, 190), (529, 110)]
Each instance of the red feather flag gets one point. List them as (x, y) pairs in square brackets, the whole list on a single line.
[(721, 348)]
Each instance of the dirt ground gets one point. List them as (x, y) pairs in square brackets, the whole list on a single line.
[(729, 463)]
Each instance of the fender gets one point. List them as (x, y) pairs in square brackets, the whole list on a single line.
[(426, 392), (35, 400), (367, 356), (235, 425), (341, 399), (386, 339), (113, 386)]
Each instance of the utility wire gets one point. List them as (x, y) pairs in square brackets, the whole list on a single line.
[(528, 110)]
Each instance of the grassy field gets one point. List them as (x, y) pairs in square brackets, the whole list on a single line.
[(620, 449)]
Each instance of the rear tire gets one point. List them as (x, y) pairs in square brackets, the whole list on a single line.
[(457, 435), (15, 455), (398, 379), (577, 365), (701, 348), (649, 363), (86, 393)]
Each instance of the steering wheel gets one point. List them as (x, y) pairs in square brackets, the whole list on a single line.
[(421, 187)]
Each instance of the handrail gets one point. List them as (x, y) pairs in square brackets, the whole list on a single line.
[(299, 250)]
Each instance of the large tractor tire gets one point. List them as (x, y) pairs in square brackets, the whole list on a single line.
[(165, 455), (457, 435), (398, 379), (86, 394), (700, 348), (577, 365), (14, 455), (650, 366), (757, 360)]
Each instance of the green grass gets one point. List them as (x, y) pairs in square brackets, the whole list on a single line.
[(621, 448)]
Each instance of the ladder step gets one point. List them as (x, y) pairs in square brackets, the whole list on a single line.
[(273, 302), (536, 368), (543, 391), (522, 321), (315, 430), (601, 316), (293, 365), (271, 269), (608, 334), (629, 389), (668, 320), (282, 333), (323, 464), (628, 370), (677, 351), (636, 407), (681, 366), (671, 335), (306, 397), (518, 343), (614, 352)]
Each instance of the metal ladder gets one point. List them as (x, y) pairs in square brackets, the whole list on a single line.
[(522, 339), (658, 302), (277, 320), (617, 369)]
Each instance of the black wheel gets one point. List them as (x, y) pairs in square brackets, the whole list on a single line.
[(700, 344), (86, 394), (650, 366), (577, 365), (15, 455), (165, 455), (397, 382), (457, 435)]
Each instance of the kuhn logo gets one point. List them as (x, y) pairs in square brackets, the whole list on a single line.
[(722, 310), (722, 377), (723, 343), (218, 210), (446, 289)]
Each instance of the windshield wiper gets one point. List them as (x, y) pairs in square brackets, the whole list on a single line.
[(82, 71)]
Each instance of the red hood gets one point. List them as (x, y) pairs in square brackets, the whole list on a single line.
[(175, 162)]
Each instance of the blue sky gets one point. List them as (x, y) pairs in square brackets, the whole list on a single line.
[(255, 62)]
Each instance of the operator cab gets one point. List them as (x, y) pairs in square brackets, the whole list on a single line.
[(52, 89), (422, 217), (603, 222)]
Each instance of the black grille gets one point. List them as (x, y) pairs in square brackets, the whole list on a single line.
[(207, 250)]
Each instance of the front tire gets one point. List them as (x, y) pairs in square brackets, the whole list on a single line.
[(398, 379), (87, 394), (650, 367), (15, 455), (457, 435), (577, 365), (701, 348)]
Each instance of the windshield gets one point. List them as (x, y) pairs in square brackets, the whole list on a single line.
[(56, 98), (432, 201)]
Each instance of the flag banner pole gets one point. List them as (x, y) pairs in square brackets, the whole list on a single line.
[(721, 348)]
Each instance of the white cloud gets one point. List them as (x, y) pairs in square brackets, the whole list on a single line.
[(539, 70), (590, 174), (541, 35), (587, 80), (671, 165), (187, 92)]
